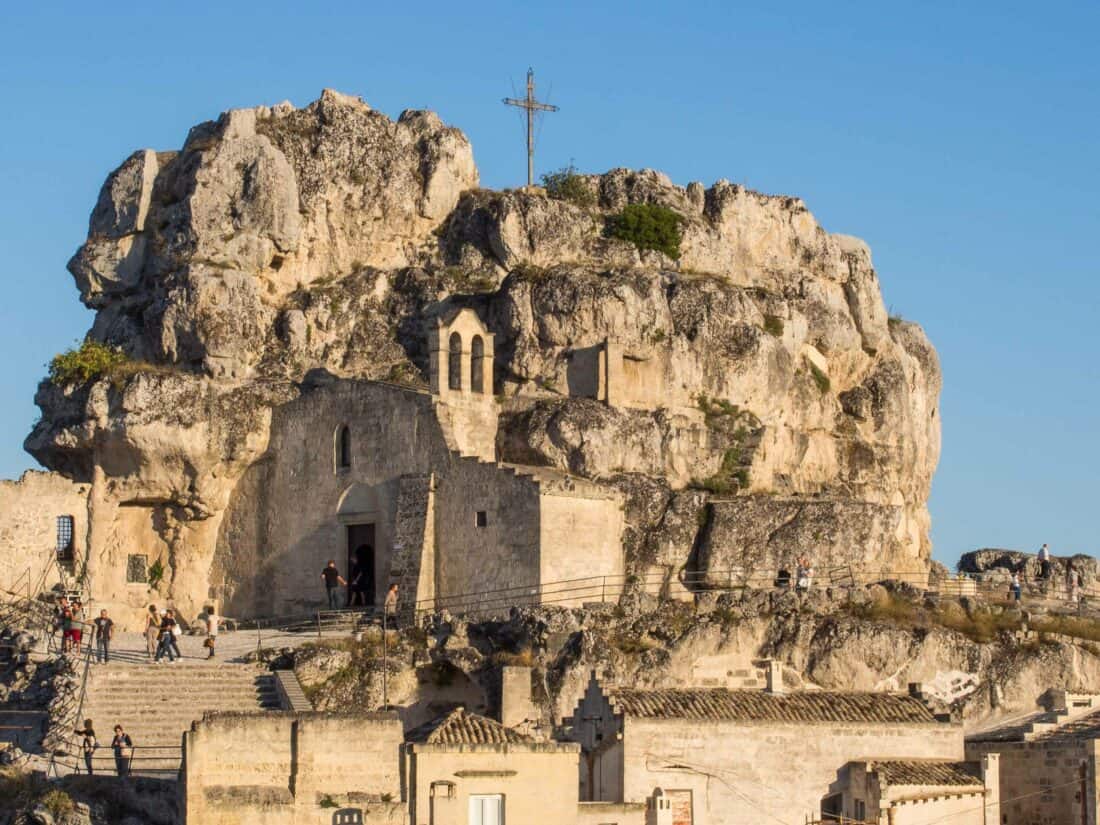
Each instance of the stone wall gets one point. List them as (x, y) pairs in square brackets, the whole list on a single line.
[(735, 770), (280, 767), (492, 527), (538, 781), (504, 553), (29, 509), (581, 539), (1045, 782)]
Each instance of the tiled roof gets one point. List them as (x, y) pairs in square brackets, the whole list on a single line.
[(1086, 727), (461, 728), (722, 704), (917, 772), (1014, 731)]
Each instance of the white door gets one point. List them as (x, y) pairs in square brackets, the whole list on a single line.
[(487, 810)]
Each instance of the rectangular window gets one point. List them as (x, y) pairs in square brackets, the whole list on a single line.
[(487, 810), (481, 518), (65, 537), (137, 569)]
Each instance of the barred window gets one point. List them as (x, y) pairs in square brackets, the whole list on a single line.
[(64, 536), (137, 569)]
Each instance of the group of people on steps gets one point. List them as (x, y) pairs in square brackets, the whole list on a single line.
[(162, 632), (121, 744)]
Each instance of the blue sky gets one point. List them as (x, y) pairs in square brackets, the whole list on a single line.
[(959, 140)]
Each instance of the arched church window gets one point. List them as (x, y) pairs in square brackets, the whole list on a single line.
[(454, 362), (477, 364), (343, 448)]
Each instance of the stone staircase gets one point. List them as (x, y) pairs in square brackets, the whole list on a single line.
[(155, 704)]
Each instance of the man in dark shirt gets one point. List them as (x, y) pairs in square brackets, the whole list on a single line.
[(103, 630), (333, 579)]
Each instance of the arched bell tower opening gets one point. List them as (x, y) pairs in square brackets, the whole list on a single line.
[(461, 377)]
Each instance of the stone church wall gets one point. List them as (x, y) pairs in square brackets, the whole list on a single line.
[(502, 554), (291, 513), (29, 509), (493, 527)]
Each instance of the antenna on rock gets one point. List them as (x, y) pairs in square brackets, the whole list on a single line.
[(531, 106)]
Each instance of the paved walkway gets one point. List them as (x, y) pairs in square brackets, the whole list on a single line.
[(232, 646)]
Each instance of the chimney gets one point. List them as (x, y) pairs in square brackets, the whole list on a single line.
[(991, 778), (516, 706), (775, 676)]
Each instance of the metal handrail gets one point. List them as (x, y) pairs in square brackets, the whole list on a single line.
[(493, 600), (76, 717)]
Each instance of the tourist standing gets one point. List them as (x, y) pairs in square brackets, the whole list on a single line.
[(1073, 585), (177, 631), (103, 630), (123, 747), (1044, 563), (152, 630), (165, 639), (333, 579), (390, 606), (66, 628), (88, 743), (211, 630), (1016, 586), (77, 631), (357, 597), (803, 574)]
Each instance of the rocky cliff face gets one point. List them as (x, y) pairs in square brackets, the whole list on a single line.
[(761, 367)]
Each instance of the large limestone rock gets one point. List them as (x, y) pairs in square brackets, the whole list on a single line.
[(280, 245)]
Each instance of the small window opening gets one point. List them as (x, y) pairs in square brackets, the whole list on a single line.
[(454, 362), (65, 538), (343, 448), (137, 569), (481, 518), (477, 364)]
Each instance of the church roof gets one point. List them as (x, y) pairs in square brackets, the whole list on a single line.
[(722, 704), (462, 728), (921, 772)]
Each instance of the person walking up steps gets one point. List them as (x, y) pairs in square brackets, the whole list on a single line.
[(123, 747), (103, 630), (333, 580), (88, 743), (166, 640), (152, 631)]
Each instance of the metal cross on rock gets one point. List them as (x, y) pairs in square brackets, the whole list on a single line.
[(531, 105)]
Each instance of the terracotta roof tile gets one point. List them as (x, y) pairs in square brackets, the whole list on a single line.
[(1084, 727), (461, 728), (919, 772), (722, 704)]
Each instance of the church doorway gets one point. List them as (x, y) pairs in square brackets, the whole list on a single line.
[(361, 565)]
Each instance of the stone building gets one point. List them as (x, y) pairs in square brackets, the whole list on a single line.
[(403, 484), (725, 756), (43, 517), (916, 792), (1048, 761), (336, 769)]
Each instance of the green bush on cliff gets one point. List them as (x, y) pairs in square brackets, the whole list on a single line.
[(648, 226), (85, 363), (566, 185)]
